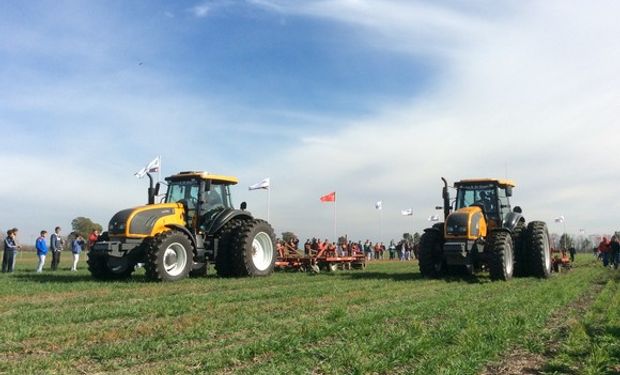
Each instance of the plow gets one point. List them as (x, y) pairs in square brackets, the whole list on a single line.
[(316, 261)]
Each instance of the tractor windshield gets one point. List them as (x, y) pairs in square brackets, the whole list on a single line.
[(484, 194), (183, 191)]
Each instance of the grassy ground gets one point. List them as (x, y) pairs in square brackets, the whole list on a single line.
[(386, 319)]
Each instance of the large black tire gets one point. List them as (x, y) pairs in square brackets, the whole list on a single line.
[(501, 255), (224, 261), (103, 267), (519, 235), (169, 257), (254, 249), (538, 249), (431, 260)]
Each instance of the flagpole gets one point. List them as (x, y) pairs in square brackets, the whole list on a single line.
[(381, 224), (335, 239), (159, 176), (268, 203)]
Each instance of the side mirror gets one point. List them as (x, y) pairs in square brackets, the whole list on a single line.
[(157, 186), (509, 191), (243, 206), (438, 208), (517, 209)]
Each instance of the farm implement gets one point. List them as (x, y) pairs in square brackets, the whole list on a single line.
[(317, 260)]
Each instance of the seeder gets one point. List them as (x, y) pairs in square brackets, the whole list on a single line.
[(317, 260)]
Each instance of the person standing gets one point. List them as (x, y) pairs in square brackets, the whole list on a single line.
[(92, 238), (603, 249), (572, 251), (10, 251), (41, 246), (76, 249), (56, 244), (614, 252)]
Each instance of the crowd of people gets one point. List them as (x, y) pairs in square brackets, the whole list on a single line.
[(402, 250), (608, 251), (55, 248)]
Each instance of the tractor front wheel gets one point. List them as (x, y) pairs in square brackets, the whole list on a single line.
[(170, 257), (501, 257), (431, 260), (103, 267)]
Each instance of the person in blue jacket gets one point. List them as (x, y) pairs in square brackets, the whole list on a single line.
[(10, 251), (41, 246), (76, 248)]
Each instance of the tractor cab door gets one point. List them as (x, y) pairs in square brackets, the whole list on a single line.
[(217, 199), (187, 193)]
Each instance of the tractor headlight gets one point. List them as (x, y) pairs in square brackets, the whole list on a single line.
[(456, 225)]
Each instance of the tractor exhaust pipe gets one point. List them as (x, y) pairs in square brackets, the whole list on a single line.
[(446, 199), (152, 191)]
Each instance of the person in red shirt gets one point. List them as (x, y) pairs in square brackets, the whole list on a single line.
[(92, 238), (603, 249)]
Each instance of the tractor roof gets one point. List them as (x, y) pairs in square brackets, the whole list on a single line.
[(473, 181), (204, 176)]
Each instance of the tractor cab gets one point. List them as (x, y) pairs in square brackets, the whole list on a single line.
[(202, 195), (491, 195)]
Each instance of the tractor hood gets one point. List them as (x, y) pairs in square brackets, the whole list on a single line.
[(466, 223), (139, 222)]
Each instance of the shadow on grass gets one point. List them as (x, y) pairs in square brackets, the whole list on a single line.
[(52, 277), (409, 276)]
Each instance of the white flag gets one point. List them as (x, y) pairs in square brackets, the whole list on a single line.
[(153, 166), (433, 218), (379, 205), (264, 184), (407, 212), (559, 219)]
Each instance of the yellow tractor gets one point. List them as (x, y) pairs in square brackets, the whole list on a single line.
[(195, 224), (481, 231)]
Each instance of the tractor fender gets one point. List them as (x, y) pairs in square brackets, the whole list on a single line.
[(224, 217), (185, 231), (511, 220), (437, 227)]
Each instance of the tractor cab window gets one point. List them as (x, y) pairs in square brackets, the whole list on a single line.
[(218, 197), (504, 208), (485, 195), (186, 191)]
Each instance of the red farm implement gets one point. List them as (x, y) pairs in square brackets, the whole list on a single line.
[(317, 260)]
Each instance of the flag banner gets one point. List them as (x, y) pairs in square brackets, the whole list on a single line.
[(264, 184), (331, 197), (433, 218), (379, 205), (153, 166), (559, 219), (407, 212)]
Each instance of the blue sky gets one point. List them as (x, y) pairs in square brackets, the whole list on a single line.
[(373, 99)]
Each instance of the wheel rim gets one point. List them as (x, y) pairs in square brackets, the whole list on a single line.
[(262, 251), (509, 260), (547, 254), (175, 259)]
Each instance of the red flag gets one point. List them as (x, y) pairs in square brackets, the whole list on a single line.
[(331, 197)]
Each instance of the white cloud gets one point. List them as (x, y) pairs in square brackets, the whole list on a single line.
[(534, 95), (201, 10)]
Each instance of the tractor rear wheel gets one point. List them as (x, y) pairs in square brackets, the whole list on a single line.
[(431, 260), (254, 252), (103, 267), (224, 262), (170, 257), (501, 257), (539, 250)]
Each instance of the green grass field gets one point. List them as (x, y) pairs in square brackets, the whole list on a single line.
[(384, 320)]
